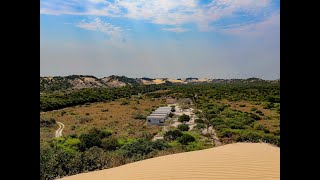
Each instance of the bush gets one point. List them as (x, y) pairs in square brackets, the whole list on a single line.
[(253, 109), (242, 105), (200, 126), (139, 116), (173, 109), (172, 135), (92, 138), (104, 110), (94, 158), (146, 135), (139, 149), (63, 113), (47, 122), (254, 116), (260, 112), (84, 119), (186, 138), (183, 127), (184, 118), (171, 115), (110, 144), (124, 103), (199, 121)]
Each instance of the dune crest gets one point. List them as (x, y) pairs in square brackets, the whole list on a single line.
[(232, 161)]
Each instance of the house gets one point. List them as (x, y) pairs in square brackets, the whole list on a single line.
[(156, 119), (159, 116)]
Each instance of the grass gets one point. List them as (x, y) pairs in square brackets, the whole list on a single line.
[(118, 118)]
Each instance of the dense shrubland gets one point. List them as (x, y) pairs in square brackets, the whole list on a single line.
[(62, 99)]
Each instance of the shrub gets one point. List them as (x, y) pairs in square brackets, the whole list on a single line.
[(200, 126), (84, 119), (110, 144), (63, 113), (148, 110), (199, 121), (171, 115), (253, 109), (260, 112), (184, 118), (138, 116), (242, 105), (94, 158), (145, 135), (104, 110), (92, 138), (139, 149), (124, 103), (183, 127), (172, 135), (186, 138), (254, 116), (47, 122)]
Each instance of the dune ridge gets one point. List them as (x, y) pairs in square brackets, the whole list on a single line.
[(232, 161)]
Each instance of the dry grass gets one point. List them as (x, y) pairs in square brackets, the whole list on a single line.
[(111, 116)]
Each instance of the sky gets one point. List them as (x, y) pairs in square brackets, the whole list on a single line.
[(160, 38)]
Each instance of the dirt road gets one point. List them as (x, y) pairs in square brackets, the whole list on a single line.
[(59, 131)]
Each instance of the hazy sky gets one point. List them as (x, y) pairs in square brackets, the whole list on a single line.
[(161, 38)]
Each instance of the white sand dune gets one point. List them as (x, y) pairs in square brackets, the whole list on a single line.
[(232, 161)]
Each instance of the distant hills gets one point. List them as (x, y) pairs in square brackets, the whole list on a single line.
[(87, 81)]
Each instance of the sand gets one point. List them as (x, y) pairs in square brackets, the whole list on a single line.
[(232, 161), (158, 81)]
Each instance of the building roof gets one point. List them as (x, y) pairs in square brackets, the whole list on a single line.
[(157, 116)]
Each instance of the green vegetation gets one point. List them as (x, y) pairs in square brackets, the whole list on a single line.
[(239, 112), (96, 149), (57, 100), (186, 138), (183, 127), (47, 122), (184, 118), (172, 135)]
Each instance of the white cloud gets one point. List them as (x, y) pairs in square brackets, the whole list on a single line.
[(176, 29), (114, 32), (163, 12), (97, 1), (255, 29)]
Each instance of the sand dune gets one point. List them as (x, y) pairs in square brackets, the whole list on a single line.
[(233, 161)]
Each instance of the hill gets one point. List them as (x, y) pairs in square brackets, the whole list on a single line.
[(57, 83), (232, 161)]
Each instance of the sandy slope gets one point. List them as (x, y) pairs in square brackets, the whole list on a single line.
[(233, 161)]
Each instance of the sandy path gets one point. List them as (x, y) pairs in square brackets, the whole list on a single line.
[(233, 161), (59, 131)]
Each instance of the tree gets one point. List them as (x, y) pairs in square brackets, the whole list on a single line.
[(184, 118), (183, 127), (172, 135), (186, 138)]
